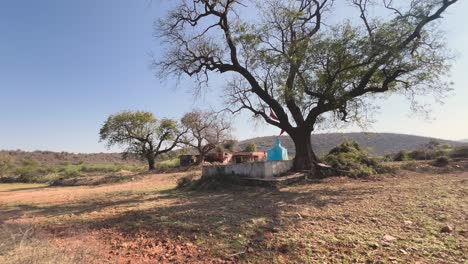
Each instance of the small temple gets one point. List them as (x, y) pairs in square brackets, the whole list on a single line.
[(278, 152)]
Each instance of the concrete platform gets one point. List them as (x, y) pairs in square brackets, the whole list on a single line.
[(275, 181)]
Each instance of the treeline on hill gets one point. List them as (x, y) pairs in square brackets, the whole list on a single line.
[(18, 166), (431, 151)]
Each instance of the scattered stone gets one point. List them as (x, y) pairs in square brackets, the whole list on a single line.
[(404, 251), (250, 250), (389, 238), (299, 215), (446, 229), (408, 223)]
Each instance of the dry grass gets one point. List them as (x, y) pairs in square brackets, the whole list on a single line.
[(332, 221), (20, 186), (26, 245)]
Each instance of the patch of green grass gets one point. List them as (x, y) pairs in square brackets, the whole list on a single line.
[(31, 171), (167, 164)]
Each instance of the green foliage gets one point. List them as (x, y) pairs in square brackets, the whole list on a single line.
[(350, 159), (30, 170), (141, 133), (430, 151), (6, 165), (460, 152), (167, 164), (442, 161), (402, 156), (230, 145), (251, 147)]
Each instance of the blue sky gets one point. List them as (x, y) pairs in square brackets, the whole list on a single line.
[(66, 65)]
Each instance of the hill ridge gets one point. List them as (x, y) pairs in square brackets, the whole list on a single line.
[(378, 143)]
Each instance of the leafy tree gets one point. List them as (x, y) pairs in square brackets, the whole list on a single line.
[(251, 147), (291, 67), (231, 145), (141, 134), (6, 165), (206, 131)]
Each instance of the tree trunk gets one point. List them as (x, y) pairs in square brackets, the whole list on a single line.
[(151, 164), (201, 158), (305, 157)]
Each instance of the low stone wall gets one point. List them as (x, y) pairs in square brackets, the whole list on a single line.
[(262, 170)]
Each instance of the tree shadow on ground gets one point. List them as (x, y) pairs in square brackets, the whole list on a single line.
[(236, 217), (196, 208)]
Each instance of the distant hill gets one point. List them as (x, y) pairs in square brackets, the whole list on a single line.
[(464, 140), (379, 143)]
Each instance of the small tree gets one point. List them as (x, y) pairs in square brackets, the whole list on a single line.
[(141, 134), (206, 131), (251, 147), (231, 145)]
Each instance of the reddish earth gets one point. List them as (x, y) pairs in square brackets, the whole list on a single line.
[(337, 220)]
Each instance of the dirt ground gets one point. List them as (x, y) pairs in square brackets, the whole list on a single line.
[(404, 218)]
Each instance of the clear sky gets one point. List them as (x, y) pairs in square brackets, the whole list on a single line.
[(66, 65)]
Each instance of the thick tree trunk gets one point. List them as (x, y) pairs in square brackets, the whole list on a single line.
[(151, 164), (305, 157)]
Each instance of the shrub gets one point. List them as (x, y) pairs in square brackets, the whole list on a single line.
[(186, 181), (442, 161), (349, 159), (402, 156), (6, 165), (251, 147), (32, 171), (460, 152)]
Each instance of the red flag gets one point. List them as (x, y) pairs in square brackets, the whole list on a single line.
[(273, 115)]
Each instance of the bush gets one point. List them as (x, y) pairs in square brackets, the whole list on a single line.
[(402, 156), (460, 152), (349, 159), (186, 181), (442, 161), (6, 165), (251, 147), (32, 171)]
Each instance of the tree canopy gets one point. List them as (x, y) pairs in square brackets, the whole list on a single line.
[(289, 57), (206, 132), (141, 134)]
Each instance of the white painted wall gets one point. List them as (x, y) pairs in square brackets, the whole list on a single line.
[(262, 170)]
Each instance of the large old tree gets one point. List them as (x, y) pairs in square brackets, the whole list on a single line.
[(304, 61)]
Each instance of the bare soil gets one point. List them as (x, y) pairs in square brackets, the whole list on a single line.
[(390, 219)]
